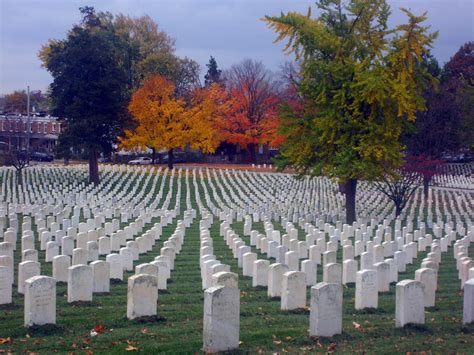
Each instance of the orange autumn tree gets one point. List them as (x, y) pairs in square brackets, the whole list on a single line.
[(166, 122), (204, 118), (251, 113)]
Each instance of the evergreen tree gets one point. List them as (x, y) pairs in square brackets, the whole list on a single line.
[(213, 75)]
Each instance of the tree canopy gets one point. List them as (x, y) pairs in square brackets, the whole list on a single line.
[(361, 85), (164, 121), (90, 88), (254, 98), (16, 102)]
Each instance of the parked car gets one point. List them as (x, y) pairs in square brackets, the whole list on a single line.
[(178, 157), (39, 156), (140, 161), (104, 160)]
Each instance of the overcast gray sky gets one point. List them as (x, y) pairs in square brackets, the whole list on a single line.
[(229, 30)]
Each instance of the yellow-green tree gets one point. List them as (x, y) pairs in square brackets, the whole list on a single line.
[(361, 84), (165, 122)]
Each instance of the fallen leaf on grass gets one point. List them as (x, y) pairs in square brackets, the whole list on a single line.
[(99, 328), (131, 348), (332, 347), (146, 331), (6, 340), (439, 340), (277, 342)]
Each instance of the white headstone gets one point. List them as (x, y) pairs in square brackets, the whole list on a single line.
[(221, 319), (26, 270), (61, 264), (349, 271), (366, 295), (409, 303), (468, 303), (275, 277), (293, 290), (326, 310), (142, 296), (5, 286), (309, 267), (260, 273), (248, 261), (40, 301), (332, 273), (80, 283), (101, 272), (383, 276), (429, 278), (80, 256)]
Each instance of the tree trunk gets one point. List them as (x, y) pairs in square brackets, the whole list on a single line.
[(170, 159), (19, 177), (93, 167), (350, 191), (153, 155), (426, 186), (252, 152), (398, 209)]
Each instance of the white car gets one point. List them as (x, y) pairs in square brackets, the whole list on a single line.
[(141, 161)]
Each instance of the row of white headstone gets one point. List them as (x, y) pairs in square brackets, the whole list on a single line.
[(412, 296), (262, 204), (84, 280)]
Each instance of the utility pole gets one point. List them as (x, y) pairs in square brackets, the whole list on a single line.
[(28, 125)]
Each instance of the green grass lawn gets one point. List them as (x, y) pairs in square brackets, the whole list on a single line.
[(263, 326)]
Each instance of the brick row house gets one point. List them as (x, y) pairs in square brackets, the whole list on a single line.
[(43, 133)]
